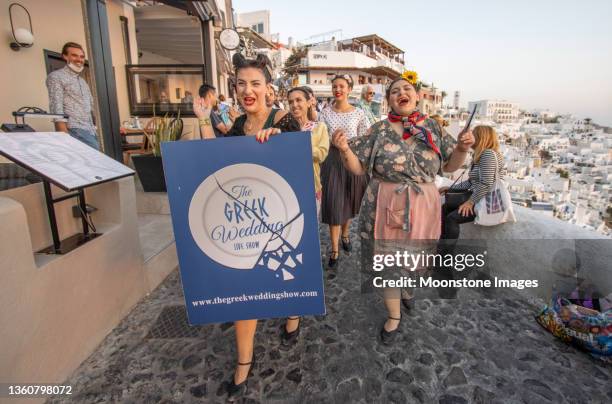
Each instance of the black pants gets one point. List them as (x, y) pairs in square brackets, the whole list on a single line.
[(451, 219)]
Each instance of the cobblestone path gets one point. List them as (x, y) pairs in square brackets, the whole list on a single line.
[(468, 350)]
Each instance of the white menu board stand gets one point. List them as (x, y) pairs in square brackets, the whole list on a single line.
[(67, 163)]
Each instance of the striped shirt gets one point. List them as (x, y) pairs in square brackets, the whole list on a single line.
[(483, 175), (69, 94)]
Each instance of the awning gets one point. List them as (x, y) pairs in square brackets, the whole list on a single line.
[(378, 41), (377, 71), (205, 10), (382, 71), (259, 42)]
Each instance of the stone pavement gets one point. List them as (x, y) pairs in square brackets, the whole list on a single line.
[(467, 350)]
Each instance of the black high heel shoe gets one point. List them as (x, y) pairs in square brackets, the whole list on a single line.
[(387, 337), (236, 391), (290, 338), (333, 262), (346, 244), (408, 304)]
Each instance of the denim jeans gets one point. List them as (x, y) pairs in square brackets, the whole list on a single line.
[(85, 136)]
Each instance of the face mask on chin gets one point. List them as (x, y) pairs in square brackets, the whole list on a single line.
[(75, 68)]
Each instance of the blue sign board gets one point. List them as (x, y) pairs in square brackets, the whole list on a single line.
[(246, 229)]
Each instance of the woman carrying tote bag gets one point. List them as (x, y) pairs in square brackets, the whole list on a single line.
[(487, 200)]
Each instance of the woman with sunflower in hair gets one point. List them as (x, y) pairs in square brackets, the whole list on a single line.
[(401, 209)]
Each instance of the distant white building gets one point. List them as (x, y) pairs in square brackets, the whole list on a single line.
[(369, 60), (496, 110), (258, 21)]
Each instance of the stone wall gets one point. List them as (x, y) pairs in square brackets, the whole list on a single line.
[(543, 248), (56, 309)]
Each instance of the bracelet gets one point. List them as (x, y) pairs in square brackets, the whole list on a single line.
[(204, 121)]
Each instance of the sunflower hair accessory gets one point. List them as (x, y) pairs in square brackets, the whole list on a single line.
[(411, 77)]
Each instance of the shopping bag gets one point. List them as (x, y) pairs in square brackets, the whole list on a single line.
[(585, 328), (496, 207)]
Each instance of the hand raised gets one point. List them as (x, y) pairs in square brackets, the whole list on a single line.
[(465, 140), (233, 113), (201, 109)]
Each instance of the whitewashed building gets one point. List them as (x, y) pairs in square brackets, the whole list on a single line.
[(499, 111)]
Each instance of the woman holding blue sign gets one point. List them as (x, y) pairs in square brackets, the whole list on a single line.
[(253, 80), (402, 155)]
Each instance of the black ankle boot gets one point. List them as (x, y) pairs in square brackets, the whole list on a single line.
[(346, 244), (236, 391), (333, 262), (388, 337), (290, 338)]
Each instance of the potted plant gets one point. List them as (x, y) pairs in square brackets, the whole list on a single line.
[(149, 166)]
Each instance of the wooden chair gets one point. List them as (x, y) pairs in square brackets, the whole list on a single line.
[(143, 147)]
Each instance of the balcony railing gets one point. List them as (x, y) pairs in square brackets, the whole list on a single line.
[(163, 88)]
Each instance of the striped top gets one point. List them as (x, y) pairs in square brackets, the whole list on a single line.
[(482, 175)]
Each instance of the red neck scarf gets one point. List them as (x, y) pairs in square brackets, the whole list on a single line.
[(414, 126)]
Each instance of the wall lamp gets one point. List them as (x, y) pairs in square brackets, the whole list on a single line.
[(24, 38)]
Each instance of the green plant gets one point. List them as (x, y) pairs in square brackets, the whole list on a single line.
[(166, 129)]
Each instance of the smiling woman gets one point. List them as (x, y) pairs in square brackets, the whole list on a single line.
[(402, 156), (342, 190), (252, 83)]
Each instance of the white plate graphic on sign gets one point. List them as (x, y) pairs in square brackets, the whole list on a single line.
[(245, 215)]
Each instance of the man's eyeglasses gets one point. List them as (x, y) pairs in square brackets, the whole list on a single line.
[(371, 93)]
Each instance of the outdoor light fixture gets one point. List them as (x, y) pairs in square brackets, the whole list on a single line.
[(24, 38)]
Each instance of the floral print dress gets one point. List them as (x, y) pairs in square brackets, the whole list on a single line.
[(407, 167)]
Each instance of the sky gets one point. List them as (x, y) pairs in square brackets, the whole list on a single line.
[(543, 54)]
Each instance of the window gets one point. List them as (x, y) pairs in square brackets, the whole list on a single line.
[(259, 28), (167, 88), (125, 33)]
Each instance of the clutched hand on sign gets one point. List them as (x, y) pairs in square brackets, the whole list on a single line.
[(264, 134)]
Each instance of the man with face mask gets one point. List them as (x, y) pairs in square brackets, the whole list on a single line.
[(69, 95)]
